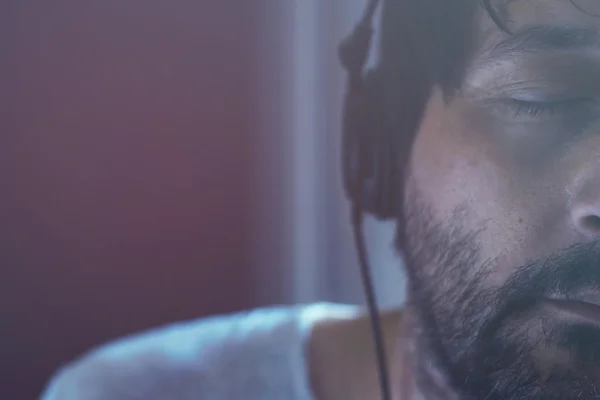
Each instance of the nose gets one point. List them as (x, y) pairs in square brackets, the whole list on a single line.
[(583, 186), (585, 212), (587, 221)]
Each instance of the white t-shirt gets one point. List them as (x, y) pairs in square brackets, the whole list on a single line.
[(256, 355)]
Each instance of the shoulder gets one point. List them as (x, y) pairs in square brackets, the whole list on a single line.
[(342, 351), (219, 357)]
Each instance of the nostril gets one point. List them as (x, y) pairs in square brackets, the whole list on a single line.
[(591, 223)]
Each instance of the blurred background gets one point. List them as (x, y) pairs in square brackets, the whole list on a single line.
[(163, 160)]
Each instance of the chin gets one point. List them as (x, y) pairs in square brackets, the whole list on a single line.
[(539, 355)]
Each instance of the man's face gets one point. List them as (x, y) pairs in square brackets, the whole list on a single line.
[(503, 209)]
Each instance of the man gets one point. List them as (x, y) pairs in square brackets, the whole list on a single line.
[(494, 106)]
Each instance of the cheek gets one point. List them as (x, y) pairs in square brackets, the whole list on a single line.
[(458, 169), (510, 200), (442, 162)]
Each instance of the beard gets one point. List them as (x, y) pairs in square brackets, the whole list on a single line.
[(498, 342)]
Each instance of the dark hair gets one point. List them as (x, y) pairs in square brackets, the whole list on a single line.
[(427, 40), (425, 43)]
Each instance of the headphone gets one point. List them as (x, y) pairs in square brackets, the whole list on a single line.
[(368, 162), (368, 155)]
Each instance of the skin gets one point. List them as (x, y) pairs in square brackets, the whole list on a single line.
[(342, 357), (502, 204), (517, 187), (527, 184)]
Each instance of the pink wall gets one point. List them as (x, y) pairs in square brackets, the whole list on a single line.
[(127, 196)]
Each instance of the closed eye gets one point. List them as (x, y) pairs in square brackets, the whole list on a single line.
[(539, 108)]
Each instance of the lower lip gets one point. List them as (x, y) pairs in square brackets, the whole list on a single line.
[(587, 311)]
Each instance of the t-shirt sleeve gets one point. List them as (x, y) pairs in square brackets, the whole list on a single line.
[(257, 355)]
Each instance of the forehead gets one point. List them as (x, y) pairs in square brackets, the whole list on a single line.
[(562, 36), (520, 15)]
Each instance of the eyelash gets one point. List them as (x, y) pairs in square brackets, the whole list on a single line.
[(534, 109)]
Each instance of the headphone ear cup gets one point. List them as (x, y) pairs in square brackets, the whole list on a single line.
[(368, 149), (356, 120)]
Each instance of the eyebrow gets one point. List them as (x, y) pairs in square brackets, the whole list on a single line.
[(545, 38), (490, 66)]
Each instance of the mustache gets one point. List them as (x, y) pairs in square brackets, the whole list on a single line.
[(497, 355), (561, 274)]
